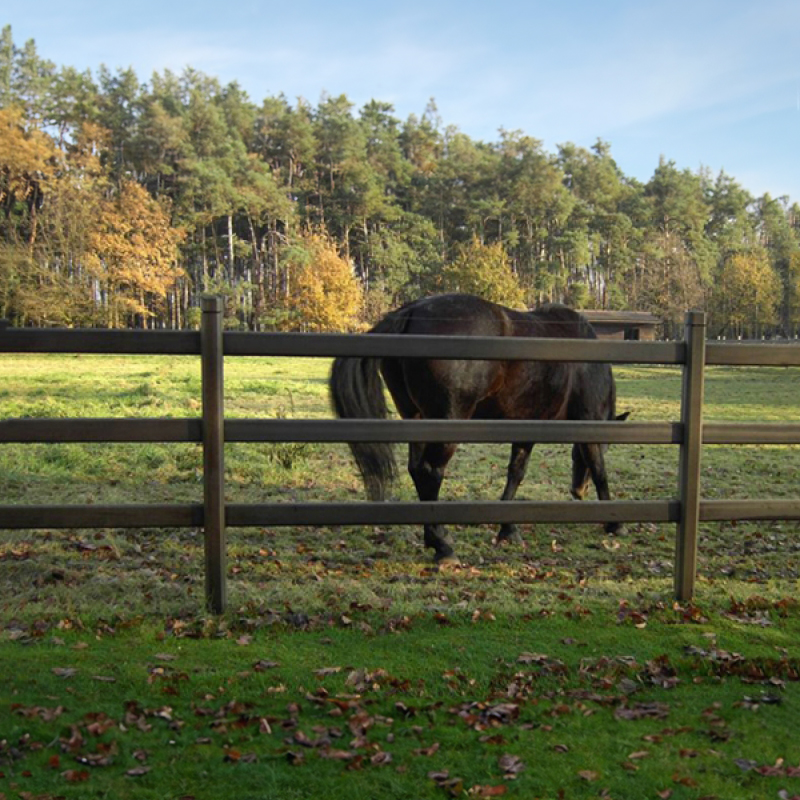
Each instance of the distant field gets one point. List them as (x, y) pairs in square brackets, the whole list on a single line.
[(100, 386), (348, 666)]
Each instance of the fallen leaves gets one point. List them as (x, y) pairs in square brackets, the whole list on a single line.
[(480, 716), (454, 787), (263, 665), (45, 713), (75, 775), (627, 615), (427, 751), (327, 715), (777, 770), (761, 669), (511, 766), (380, 759), (653, 710), (295, 759), (64, 672), (487, 791)]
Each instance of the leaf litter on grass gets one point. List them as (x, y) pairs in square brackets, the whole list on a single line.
[(366, 718), (571, 611)]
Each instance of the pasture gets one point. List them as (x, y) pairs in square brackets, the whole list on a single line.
[(348, 665)]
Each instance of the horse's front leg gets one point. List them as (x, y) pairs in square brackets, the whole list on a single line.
[(426, 465), (517, 464), (588, 461)]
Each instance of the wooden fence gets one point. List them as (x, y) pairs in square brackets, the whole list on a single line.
[(686, 510)]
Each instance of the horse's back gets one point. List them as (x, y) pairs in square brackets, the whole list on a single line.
[(470, 315), (457, 315), (555, 321)]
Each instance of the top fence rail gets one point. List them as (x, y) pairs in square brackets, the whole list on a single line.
[(38, 340), (57, 340)]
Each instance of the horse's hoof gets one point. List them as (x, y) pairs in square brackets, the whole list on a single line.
[(506, 541), (615, 529), (451, 561)]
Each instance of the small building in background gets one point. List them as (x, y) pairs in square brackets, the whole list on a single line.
[(630, 325)]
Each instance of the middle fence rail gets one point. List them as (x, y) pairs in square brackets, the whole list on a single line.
[(690, 433)]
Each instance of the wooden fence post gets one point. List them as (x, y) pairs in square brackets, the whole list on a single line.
[(213, 453), (690, 452)]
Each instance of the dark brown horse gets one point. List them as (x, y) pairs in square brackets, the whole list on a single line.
[(458, 389)]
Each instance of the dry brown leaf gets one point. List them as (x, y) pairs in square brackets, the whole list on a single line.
[(511, 765), (487, 791), (75, 775), (137, 772), (427, 751), (338, 755), (64, 672), (321, 673), (263, 665)]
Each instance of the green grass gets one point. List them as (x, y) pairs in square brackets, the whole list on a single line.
[(370, 705), (543, 654)]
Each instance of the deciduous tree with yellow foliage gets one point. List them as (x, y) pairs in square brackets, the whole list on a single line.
[(746, 295), (29, 159), (483, 269), (323, 290), (133, 255)]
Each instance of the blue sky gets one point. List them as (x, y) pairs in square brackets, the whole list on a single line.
[(703, 82)]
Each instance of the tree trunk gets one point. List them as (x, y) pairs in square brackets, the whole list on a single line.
[(230, 245), (258, 277), (205, 257)]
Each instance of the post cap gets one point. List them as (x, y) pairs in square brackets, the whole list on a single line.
[(695, 317), (211, 303)]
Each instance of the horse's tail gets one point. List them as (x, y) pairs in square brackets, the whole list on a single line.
[(357, 392)]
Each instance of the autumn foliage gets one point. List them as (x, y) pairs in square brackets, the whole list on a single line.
[(123, 201), (483, 270), (323, 290), (133, 254)]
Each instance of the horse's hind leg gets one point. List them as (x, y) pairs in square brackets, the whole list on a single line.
[(517, 464), (426, 465), (592, 457)]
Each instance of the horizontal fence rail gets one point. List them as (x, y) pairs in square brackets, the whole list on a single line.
[(62, 517), (212, 430), (59, 430), (331, 345), (43, 340), (739, 354)]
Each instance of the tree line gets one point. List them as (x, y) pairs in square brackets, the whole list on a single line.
[(123, 201)]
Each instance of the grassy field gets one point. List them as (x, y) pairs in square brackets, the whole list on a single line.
[(350, 667)]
